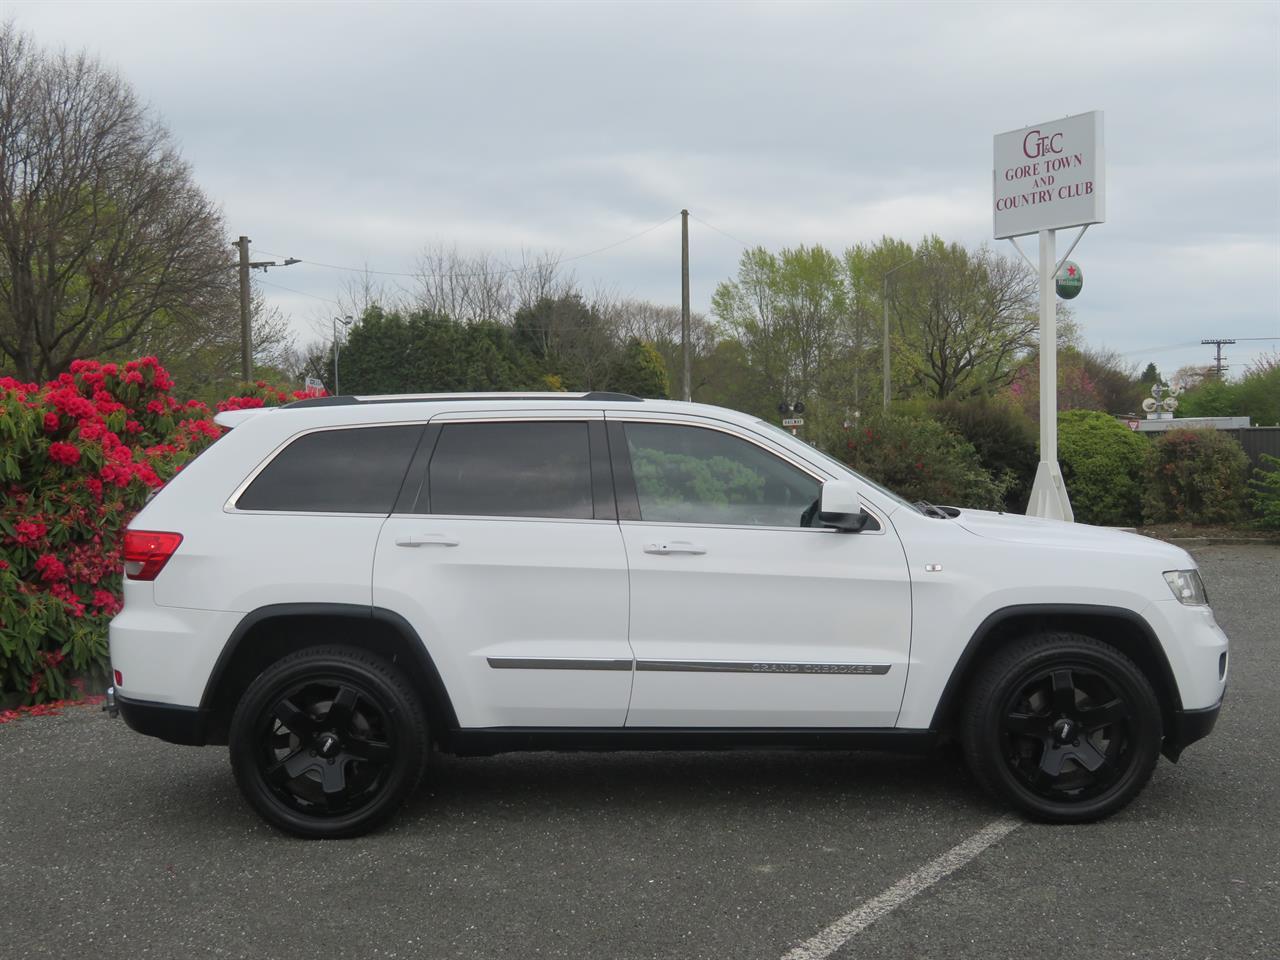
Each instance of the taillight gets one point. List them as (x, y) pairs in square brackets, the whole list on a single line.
[(147, 551)]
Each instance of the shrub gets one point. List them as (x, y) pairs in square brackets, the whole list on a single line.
[(1104, 466), (1266, 492), (1195, 476), (79, 456), (1005, 439), (919, 459)]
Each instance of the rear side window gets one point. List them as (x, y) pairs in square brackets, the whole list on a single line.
[(534, 469), (335, 471)]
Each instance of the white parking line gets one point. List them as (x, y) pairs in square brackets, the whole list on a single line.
[(853, 923)]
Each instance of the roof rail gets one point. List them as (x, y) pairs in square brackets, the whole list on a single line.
[(597, 396)]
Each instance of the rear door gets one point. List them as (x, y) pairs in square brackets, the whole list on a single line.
[(505, 555), (744, 613)]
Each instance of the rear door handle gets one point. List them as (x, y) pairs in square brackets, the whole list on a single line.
[(675, 546), (425, 540)]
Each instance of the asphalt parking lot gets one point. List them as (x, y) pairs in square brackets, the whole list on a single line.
[(115, 845)]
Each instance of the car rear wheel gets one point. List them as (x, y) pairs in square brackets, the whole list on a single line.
[(328, 742), (1064, 727)]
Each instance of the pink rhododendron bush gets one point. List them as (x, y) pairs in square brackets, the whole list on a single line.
[(79, 456)]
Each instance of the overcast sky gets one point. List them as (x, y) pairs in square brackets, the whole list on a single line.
[(354, 134)]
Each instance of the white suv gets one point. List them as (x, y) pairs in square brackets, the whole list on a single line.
[(338, 585)]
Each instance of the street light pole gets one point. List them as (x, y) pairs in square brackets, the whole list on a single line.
[(884, 299), (346, 322)]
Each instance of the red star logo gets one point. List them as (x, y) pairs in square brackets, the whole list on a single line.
[(1071, 271)]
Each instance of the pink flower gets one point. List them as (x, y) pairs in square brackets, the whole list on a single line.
[(51, 422)]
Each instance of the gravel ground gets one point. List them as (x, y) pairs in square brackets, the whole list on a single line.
[(121, 846)]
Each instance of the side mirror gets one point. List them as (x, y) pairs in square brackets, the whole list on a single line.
[(841, 508)]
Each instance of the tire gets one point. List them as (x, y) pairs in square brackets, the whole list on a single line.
[(1064, 727), (328, 742)]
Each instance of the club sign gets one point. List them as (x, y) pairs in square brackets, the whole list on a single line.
[(1049, 176)]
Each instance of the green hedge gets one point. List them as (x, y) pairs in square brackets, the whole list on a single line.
[(920, 459), (1104, 464)]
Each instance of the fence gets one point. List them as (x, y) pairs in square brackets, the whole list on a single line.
[(1257, 441)]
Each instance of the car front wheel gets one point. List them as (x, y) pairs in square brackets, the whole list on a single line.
[(1064, 727), (328, 742)]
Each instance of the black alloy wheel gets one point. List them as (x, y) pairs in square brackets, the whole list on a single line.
[(328, 742), (1065, 727)]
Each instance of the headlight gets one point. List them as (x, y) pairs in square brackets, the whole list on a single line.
[(1187, 586)]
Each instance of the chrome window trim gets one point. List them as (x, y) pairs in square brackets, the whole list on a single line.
[(429, 517), (734, 431), (230, 505)]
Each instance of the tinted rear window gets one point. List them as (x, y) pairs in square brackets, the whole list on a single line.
[(538, 469), (335, 471)]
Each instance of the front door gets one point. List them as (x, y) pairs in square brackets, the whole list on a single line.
[(507, 559), (744, 613)]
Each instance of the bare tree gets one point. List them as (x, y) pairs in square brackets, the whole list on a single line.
[(469, 289), (105, 240), (539, 277), (204, 355)]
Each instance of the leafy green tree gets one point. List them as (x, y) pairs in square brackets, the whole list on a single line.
[(639, 371), (569, 338), (789, 311), (424, 353), (1256, 395)]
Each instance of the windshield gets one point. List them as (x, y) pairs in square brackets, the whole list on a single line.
[(840, 467)]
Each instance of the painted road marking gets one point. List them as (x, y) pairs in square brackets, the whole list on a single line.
[(853, 923)]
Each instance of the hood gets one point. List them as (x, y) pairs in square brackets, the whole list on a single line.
[(1015, 528)]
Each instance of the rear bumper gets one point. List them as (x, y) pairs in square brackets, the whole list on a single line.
[(1189, 726), (185, 725)]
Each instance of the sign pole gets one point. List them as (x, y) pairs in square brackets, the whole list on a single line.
[(1048, 491)]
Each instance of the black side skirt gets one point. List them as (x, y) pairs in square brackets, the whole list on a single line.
[(490, 740)]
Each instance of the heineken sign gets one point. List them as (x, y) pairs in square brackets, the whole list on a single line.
[(1070, 281), (1049, 176)]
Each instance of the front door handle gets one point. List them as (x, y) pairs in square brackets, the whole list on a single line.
[(675, 546), (425, 540)]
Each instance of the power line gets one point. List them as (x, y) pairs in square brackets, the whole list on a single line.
[(489, 273), (301, 293), (723, 233)]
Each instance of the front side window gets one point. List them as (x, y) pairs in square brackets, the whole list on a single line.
[(518, 469), (697, 475), (335, 471)]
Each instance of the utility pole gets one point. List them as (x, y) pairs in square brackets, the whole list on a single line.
[(684, 299), (246, 330), (1218, 360), (246, 335)]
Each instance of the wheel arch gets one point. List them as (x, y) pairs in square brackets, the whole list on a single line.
[(1119, 627), (265, 635)]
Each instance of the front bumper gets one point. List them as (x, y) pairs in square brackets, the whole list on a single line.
[(1189, 726), (185, 725)]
